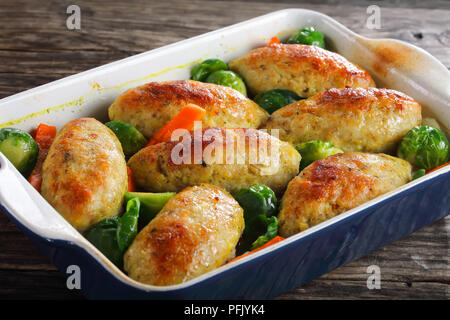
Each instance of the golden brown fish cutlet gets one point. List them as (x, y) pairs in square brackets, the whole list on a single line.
[(195, 232), (303, 69), (336, 184), (84, 176), (230, 158), (150, 106), (354, 119)]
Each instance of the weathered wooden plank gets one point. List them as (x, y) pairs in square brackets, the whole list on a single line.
[(350, 289), (139, 26)]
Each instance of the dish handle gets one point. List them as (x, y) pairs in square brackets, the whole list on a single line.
[(25, 205), (407, 68)]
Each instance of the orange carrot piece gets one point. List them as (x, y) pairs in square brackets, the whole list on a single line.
[(267, 244), (35, 179), (274, 41), (437, 168), (183, 120), (44, 137), (131, 183)]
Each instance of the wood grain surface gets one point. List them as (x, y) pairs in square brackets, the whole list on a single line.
[(36, 47)]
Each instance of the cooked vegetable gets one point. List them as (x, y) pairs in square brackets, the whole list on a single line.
[(130, 138), (44, 137), (267, 244), (182, 120), (275, 99), (103, 235), (127, 225), (419, 173), (274, 41), (151, 203), (131, 182), (315, 150), (424, 147), (256, 200), (112, 236), (272, 231), (260, 205), (204, 69), (308, 36), (228, 79), (20, 148)]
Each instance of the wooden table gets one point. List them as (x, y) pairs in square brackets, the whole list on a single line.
[(36, 47)]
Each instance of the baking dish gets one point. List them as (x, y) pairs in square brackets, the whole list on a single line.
[(273, 270)]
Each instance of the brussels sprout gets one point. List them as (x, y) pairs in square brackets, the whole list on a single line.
[(256, 200), (424, 147), (204, 69), (272, 231), (130, 138), (260, 205), (127, 225), (315, 150), (418, 174), (103, 235), (275, 99), (228, 79), (113, 236), (151, 203), (308, 36), (20, 148)]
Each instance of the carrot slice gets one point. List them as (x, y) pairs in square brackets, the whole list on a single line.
[(131, 183), (183, 120), (44, 137), (437, 168), (267, 244), (274, 41)]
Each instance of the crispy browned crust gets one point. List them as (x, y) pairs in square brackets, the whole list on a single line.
[(152, 105), (84, 175), (336, 184), (360, 98), (354, 119), (303, 69), (154, 169), (194, 233)]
